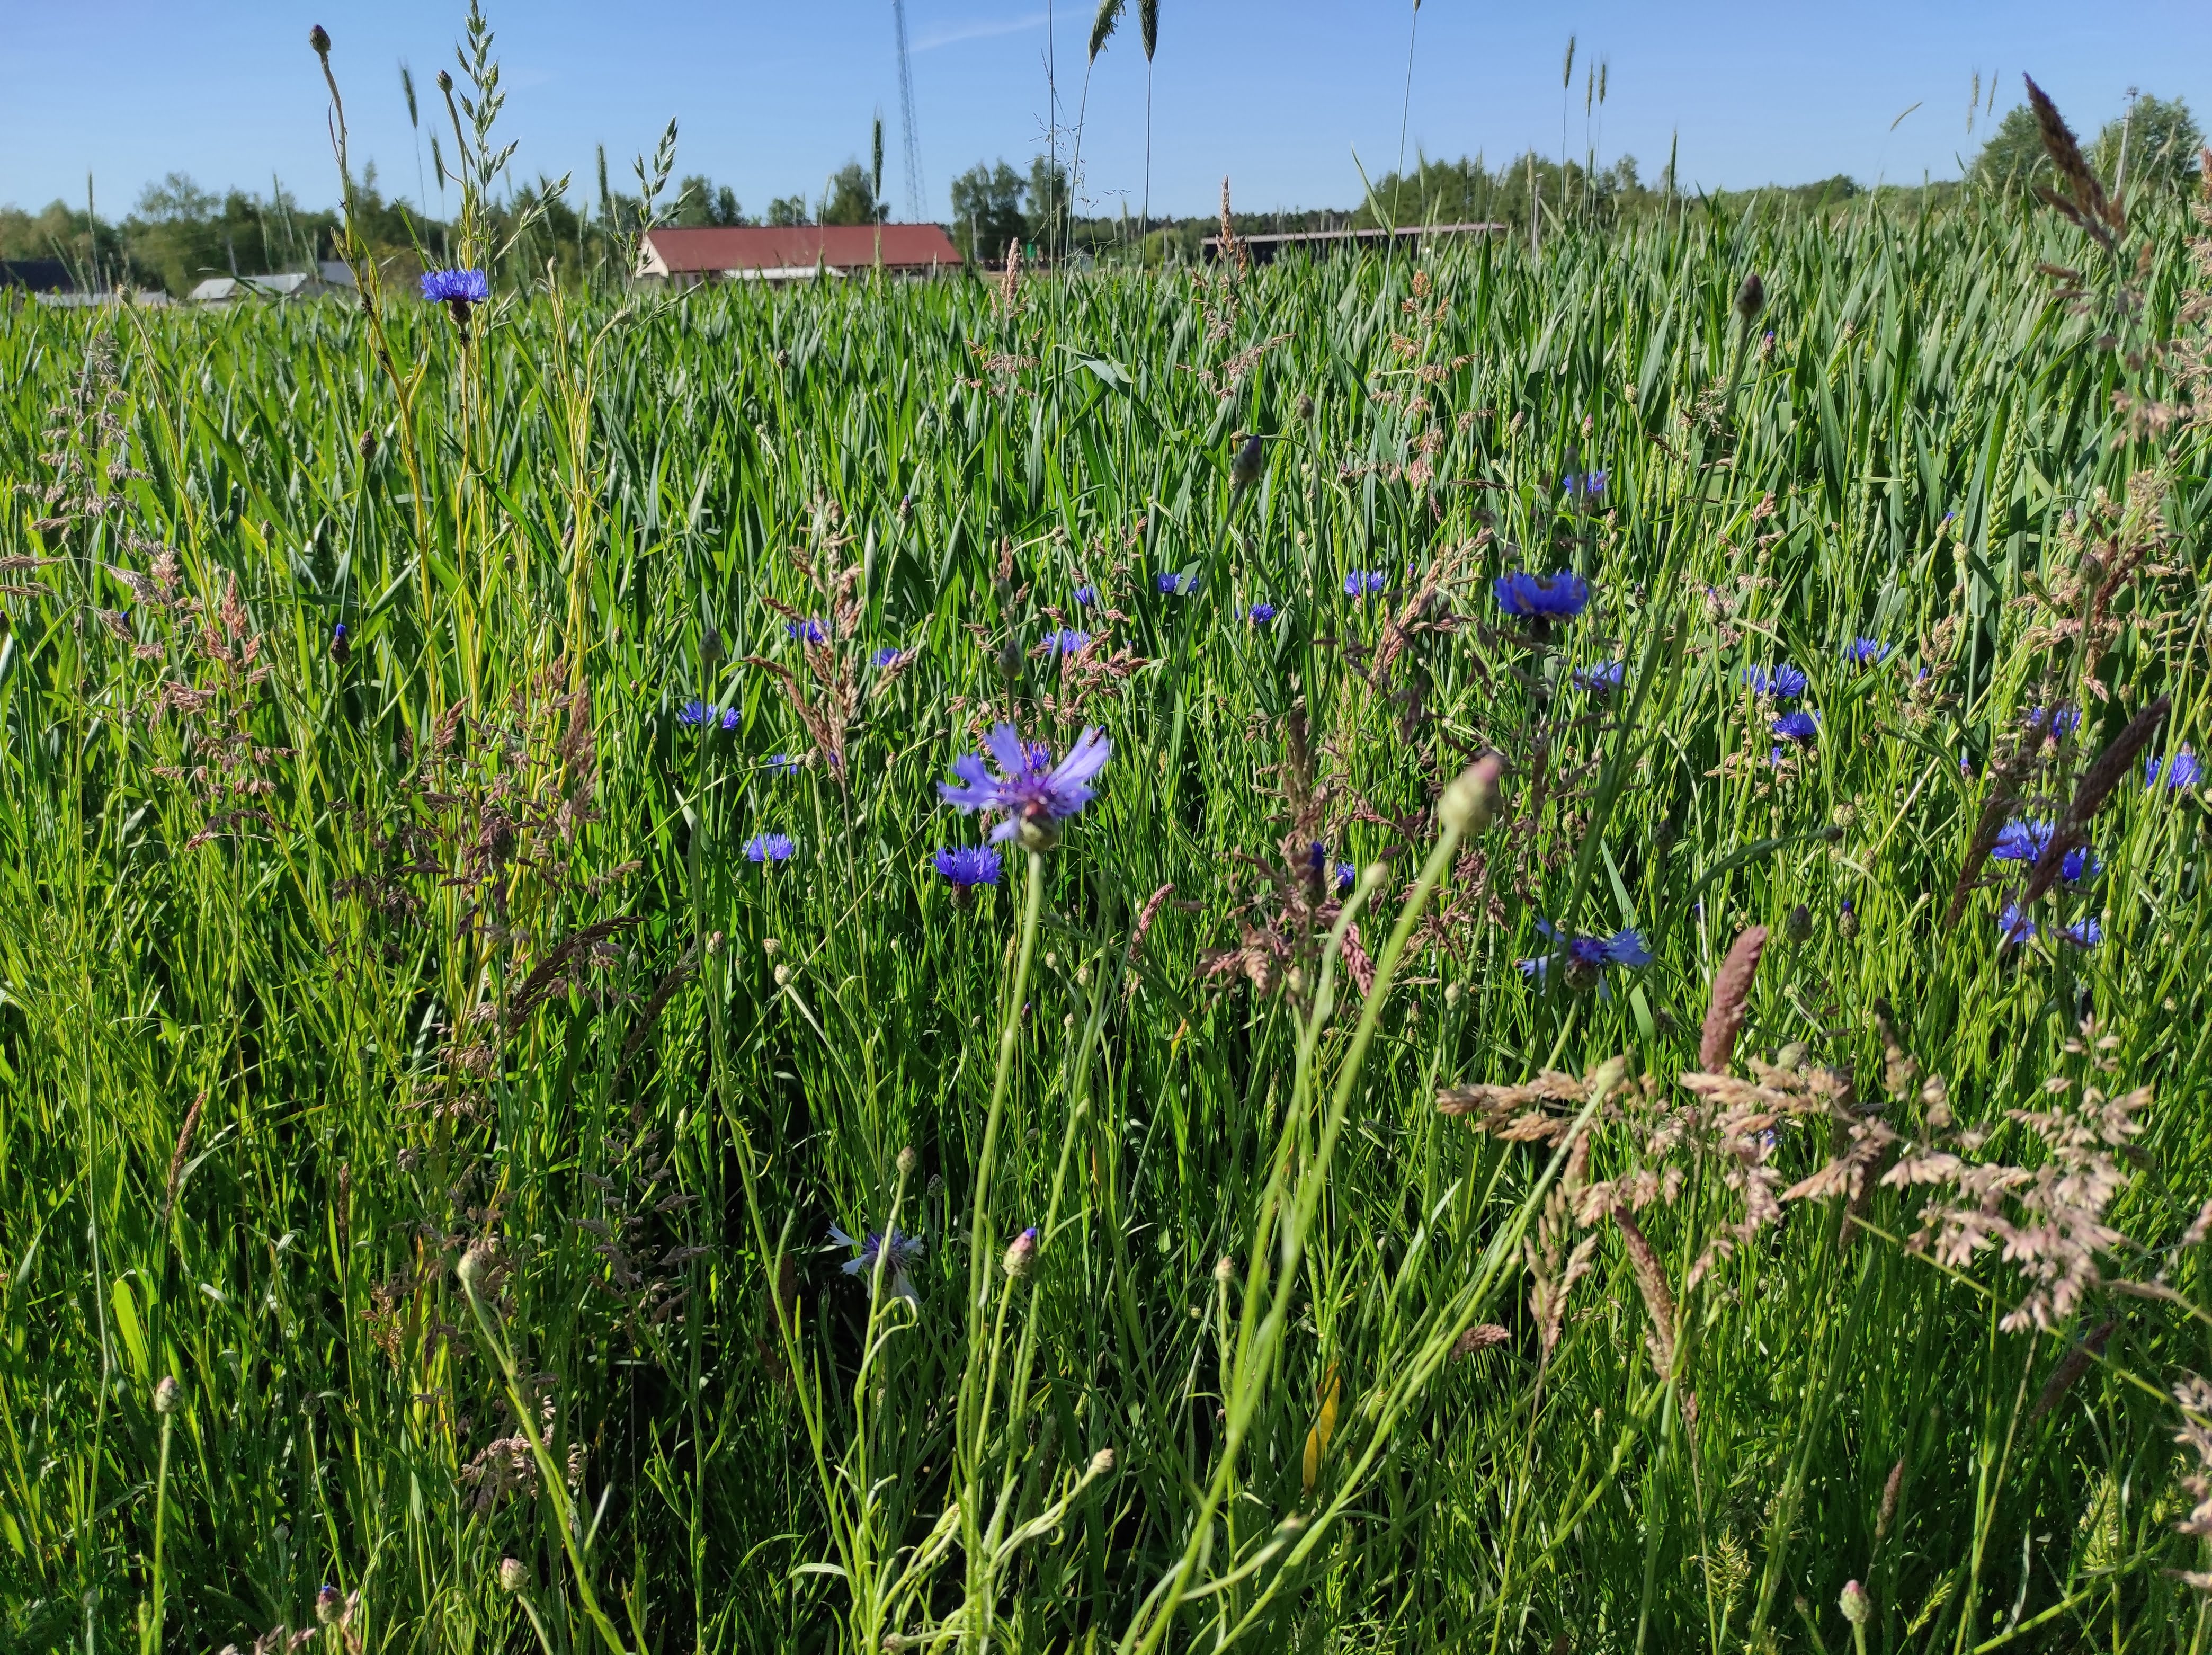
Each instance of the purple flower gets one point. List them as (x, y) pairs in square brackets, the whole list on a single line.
[(1800, 726), (809, 630), (692, 712), (883, 657), (1784, 683), (2013, 927), (1866, 652), (896, 1250), (463, 287), (1363, 581), (2181, 770), (2053, 722), (1347, 877), (732, 719), (1066, 642), (1173, 585), (2022, 841), (1085, 596), (1261, 613), (770, 848), (1034, 799), (1583, 485), (2083, 933), (966, 866), (2078, 864), (1558, 597), (1601, 680), (784, 764), (1590, 955)]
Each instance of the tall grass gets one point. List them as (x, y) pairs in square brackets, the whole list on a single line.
[(402, 1051)]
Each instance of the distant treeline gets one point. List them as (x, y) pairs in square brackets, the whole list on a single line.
[(178, 234)]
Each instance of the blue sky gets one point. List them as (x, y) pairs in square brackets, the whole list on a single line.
[(772, 98)]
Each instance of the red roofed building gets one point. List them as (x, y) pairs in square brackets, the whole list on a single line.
[(794, 252)]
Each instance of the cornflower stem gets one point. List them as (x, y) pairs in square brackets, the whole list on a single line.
[(973, 1410), (149, 1635), (549, 1475), (857, 1565)]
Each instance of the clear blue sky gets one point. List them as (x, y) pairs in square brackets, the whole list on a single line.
[(1277, 93)]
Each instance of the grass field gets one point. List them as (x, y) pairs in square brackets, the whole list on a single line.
[(416, 1044)]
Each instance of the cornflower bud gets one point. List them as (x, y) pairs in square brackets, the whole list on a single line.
[(1224, 1269), (319, 38), (783, 977), (1856, 1604), (907, 1161), (1847, 921), (1102, 1462), (513, 1577), (1798, 926), (475, 1268), (1021, 1253), (1792, 1056), (445, 81), (168, 1395), (1751, 297), (330, 1607), (1470, 804)]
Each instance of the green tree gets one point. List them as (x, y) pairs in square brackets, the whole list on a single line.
[(986, 210), (2160, 140), (2013, 158), (851, 198), (703, 205), (788, 209), (1048, 204)]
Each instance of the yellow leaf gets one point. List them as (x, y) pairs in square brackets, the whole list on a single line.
[(1332, 1392)]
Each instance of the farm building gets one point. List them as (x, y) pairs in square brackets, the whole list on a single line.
[(329, 275), (37, 274), (796, 253), (1266, 249)]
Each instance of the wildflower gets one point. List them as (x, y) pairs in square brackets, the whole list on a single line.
[(1800, 726), (809, 630), (2083, 933), (1559, 597), (1085, 596), (732, 719), (883, 657), (1586, 957), (1245, 470), (1583, 485), (1173, 585), (1847, 921), (784, 764), (1347, 875), (1021, 1254), (329, 1605), (2181, 770), (770, 848), (692, 712), (1783, 682), (898, 1250), (1601, 680), (2078, 864), (1034, 799), (456, 289), (1064, 642), (2054, 722), (2013, 927), (966, 866), (1261, 613), (341, 646), (2022, 840), (1866, 652), (1363, 581)]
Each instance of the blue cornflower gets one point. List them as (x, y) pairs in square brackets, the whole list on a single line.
[(1783, 682), (1346, 876), (692, 712), (1588, 956), (2083, 933), (732, 719), (1066, 642), (2181, 770), (1363, 581), (785, 763), (809, 630), (1261, 613), (1800, 726), (1085, 596), (1583, 485), (1559, 597), (2079, 864), (966, 866), (1866, 652), (2053, 722), (1029, 791), (2013, 927), (1174, 585), (897, 1249), (2022, 841), (1601, 680), (770, 848), (883, 657), (339, 633), (458, 288)]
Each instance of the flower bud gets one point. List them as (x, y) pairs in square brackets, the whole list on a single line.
[(168, 1395), (1021, 1254), (770, 946), (513, 1577), (1751, 297), (1857, 1607), (1010, 657), (907, 1161), (1470, 804), (1452, 993), (1792, 1056), (475, 1268), (1847, 921), (1039, 833), (330, 1607), (1305, 407), (445, 81), (1224, 1269), (783, 977), (319, 38), (1102, 1462), (369, 444), (1798, 926)]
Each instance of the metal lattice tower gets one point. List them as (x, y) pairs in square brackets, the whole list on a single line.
[(911, 138)]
